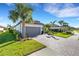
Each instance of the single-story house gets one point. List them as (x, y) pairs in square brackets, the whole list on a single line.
[(29, 29), (59, 28)]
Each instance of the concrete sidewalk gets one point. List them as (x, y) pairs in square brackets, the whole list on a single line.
[(44, 52)]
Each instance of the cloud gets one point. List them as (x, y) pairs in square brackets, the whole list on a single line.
[(69, 12), (62, 10), (76, 26), (51, 8)]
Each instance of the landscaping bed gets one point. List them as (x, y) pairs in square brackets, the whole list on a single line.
[(10, 47)]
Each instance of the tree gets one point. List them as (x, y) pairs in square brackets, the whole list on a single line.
[(46, 28), (53, 23), (22, 13), (65, 25), (61, 22)]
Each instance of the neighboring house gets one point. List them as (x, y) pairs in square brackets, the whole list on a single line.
[(29, 29), (55, 28), (59, 28), (2, 29)]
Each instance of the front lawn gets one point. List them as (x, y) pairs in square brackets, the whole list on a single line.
[(1, 32), (6, 37), (10, 47), (60, 34)]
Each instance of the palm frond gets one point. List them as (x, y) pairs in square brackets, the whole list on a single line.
[(13, 15), (22, 12)]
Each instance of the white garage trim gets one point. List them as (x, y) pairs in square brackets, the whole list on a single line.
[(33, 25)]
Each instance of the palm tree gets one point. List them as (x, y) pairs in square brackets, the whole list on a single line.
[(46, 28), (53, 23), (22, 13), (61, 22), (64, 24)]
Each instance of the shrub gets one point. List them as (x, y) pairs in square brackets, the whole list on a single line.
[(45, 30), (50, 32), (15, 33), (10, 30), (69, 33)]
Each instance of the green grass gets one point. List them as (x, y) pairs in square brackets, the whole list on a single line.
[(60, 34), (5, 37), (76, 31), (1, 32), (64, 35), (10, 47)]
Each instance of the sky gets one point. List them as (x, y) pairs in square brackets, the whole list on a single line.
[(45, 12)]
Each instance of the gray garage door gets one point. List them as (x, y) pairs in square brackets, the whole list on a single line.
[(33, 31)]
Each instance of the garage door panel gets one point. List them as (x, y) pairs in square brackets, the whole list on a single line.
[(33, 31)]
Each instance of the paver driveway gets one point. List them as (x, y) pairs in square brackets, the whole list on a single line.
[(61, 47)]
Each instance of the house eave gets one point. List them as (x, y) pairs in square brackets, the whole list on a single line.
[(33, 25)]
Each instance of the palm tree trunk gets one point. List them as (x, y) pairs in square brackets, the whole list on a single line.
[(23, 29)]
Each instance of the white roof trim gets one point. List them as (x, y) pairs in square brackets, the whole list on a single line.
[(33, 25)]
